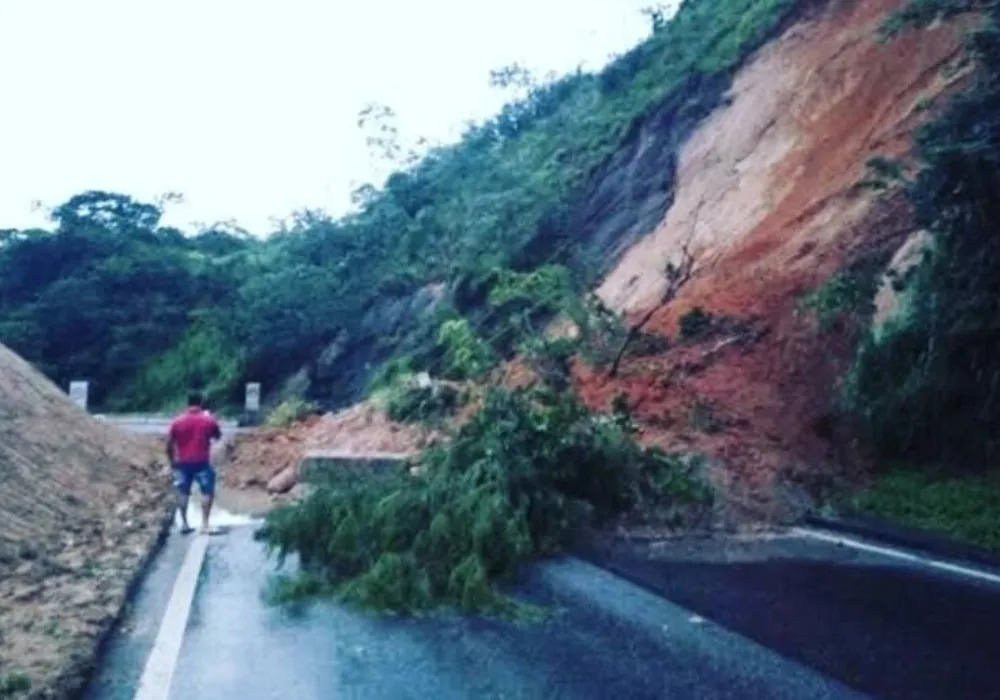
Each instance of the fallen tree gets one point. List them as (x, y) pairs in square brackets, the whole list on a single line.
[(514, 484)]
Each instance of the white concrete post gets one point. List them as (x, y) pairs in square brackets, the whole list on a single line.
[(252, 404), (78, 393)]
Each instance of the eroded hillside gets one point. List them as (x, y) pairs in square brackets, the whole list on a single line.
[(768, 198)]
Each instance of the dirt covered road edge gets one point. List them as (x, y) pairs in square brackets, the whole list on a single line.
[(72, 682)]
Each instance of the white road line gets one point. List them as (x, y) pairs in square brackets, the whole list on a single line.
[(156, 676), (900, 554)]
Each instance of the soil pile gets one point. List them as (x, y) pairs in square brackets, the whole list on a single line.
[(365, 428), (81, 506)]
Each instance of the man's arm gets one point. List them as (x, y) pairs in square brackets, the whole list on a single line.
[(170, 445), (216, 433)]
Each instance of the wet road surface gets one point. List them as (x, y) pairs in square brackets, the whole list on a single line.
[(886, 627), (605, 638), (158, 424), (787, 616)]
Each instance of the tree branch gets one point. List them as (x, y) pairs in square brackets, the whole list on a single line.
[(677, 277)]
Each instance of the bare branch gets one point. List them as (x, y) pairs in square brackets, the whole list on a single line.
[(677, 276)]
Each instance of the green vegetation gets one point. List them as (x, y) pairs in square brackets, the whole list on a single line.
[(514, 484), (289, 412), (457, 261), (14, 684), (920, 13), (107, 291), (410, 402), (144, 312), (850, 293), (551, 359), (466, 355), (602, 331), (200, 359), (965, 508), (926, 387), (695, 323)]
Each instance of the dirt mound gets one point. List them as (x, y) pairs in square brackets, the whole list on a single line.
[(255, 457), (80, 508), (768, 198), (366, 428), (268, 459)]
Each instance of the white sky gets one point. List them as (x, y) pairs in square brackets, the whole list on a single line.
[(248, 108)]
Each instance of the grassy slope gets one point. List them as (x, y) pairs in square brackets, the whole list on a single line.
[(965, 508)]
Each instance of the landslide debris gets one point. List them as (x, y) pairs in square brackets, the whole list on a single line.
[(268, 459)]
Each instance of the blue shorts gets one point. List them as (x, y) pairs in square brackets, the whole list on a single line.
[(186, 474)]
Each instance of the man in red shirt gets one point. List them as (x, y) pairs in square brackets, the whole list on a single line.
[(189, 443)]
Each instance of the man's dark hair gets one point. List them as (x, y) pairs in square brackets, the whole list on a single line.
[(194, 399)]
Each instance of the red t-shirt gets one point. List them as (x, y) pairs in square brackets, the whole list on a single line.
[(192, 433)]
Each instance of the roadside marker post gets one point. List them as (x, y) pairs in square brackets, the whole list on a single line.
[(252, 401), (78, 393)]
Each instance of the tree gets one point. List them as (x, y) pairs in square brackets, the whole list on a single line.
[(658, 16), (117, 213), (513, 76)]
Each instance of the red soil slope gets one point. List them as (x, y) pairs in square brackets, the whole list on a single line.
[(768, 197)]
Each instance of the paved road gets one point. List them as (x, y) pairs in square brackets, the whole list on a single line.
[(888, 627), (773, 617), (156, 424), (790, 617)]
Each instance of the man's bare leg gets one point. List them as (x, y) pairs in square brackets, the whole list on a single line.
[(182, 507), (206, 510)]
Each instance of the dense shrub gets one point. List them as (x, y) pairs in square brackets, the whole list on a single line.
[(466, 355), (927, 386), (410, 402), (848, 293), (202, 359), (695, 323)]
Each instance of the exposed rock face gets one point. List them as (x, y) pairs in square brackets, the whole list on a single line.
[(630, 194), (766, 187), (889, 302), (339, 375)]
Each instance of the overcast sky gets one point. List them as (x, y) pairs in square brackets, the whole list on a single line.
[(248, 108)]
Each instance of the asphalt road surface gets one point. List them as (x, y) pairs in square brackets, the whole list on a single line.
[(790, 616), (156, 424)]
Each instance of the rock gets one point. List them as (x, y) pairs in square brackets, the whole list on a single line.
[(284, 481), (83, 596), (275, 473), (297, 492), (24, 594)]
